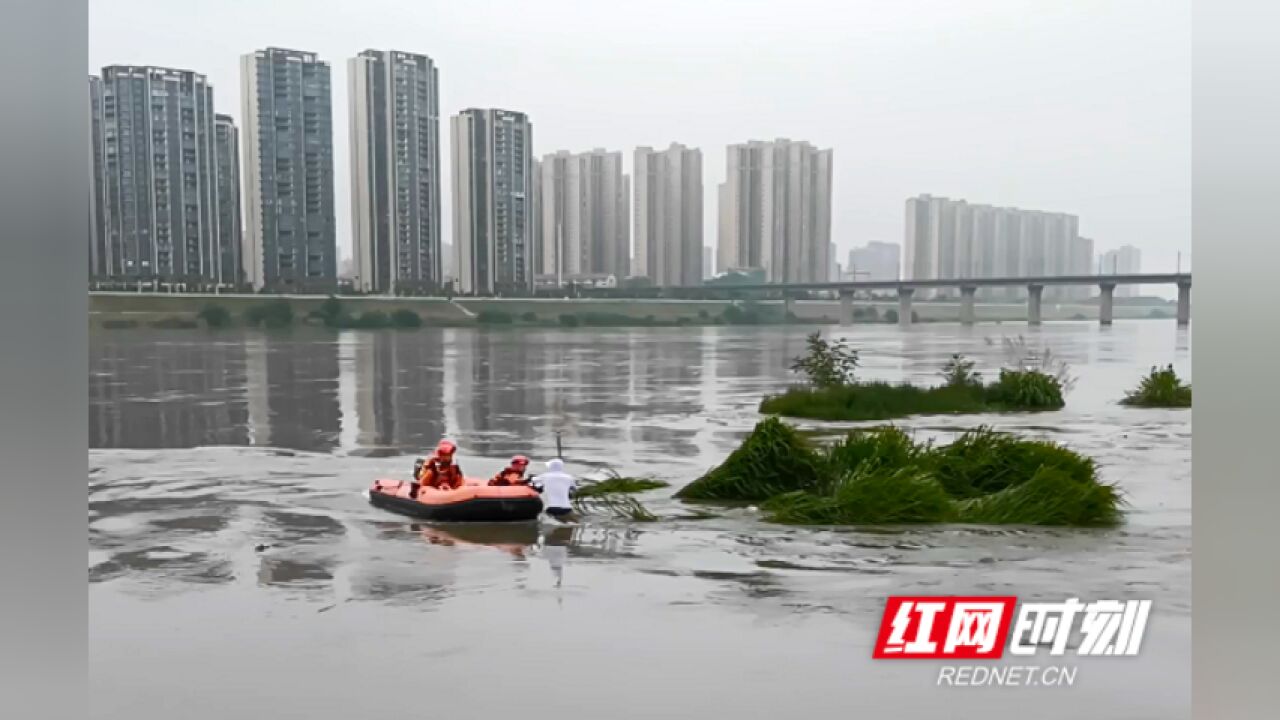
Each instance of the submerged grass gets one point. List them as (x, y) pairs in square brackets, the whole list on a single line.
[(1015, 391), (612, 495), (1161, 388), (883, 476), (773, 459)]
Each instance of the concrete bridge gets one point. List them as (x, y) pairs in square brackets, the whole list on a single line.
[(969, 287)]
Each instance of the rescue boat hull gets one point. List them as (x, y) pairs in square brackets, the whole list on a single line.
[(473, 502)]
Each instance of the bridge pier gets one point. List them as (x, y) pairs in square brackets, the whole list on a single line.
[(1106, 303), (1034, 293), (788, 304), (967, 314), (846, 308), (1184, 303), (904, 305)]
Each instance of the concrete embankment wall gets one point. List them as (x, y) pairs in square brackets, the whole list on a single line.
[(151, 307)]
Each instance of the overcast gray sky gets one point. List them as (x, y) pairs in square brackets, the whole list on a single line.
[(1080, 106)]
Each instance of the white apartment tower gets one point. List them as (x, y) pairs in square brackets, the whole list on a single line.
[(952, 239), (668, 215), (775, 210), (290, 239), (395, 171), (585, 223), (492, 201)]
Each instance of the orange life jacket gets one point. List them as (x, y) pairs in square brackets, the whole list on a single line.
[(437, 474), (508, 476)]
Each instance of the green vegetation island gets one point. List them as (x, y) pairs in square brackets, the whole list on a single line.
[(881, 476), (1161, 388), (833, 393)]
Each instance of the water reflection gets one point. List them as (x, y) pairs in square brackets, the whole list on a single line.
[(385, 393)]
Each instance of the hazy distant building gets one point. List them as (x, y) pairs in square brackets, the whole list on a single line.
[(708, 262), (669, 215), (537, 242), (585, 221), (952, 239), (290, 234), (1124, 260), (395, 171), (875, 261), (492, 213), (230, 223), (97, 198), (775, 210), (155, 214)]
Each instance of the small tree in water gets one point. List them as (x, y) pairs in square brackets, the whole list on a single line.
[(959, 371), (827, 363)]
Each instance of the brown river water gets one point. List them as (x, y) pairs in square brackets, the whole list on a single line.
[(235, 570)]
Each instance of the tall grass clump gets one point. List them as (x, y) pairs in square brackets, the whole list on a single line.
[(982, 461), (1161, 388), (1026, 390), (1050, 497), (773, 459), (867, 496), (882, 476)]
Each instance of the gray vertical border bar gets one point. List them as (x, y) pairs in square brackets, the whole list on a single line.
[(1235, 206), (44, 221)]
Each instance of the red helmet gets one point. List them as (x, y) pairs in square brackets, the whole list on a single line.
[(520, 461), (446, 448)]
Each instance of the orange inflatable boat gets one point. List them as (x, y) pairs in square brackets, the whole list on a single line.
[(475, 501)]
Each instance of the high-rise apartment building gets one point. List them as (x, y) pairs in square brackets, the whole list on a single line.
[(585, 219), (492, 204), (775, 210), (230, 226), (395, 171), (154, 215), (708, 262), (952, 239), (875, 261), (290, 240), (1124, 260), (668, 215), (97, 200)]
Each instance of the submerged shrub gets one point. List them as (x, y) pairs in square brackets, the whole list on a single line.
[(1027, 390), (405, 318), (273, 314), (214, 316), (773, 459), (493, 317), (1160, 388), (826, 363), (958, 372)]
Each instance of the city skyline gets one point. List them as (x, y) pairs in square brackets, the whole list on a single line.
[(1120, 163)]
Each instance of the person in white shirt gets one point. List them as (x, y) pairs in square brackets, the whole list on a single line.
[(556, 487)]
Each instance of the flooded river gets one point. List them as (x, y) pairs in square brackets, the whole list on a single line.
[(235, 570)]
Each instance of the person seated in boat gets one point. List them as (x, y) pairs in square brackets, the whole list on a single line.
[(438, 470), (513, 473), (556, 487)]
